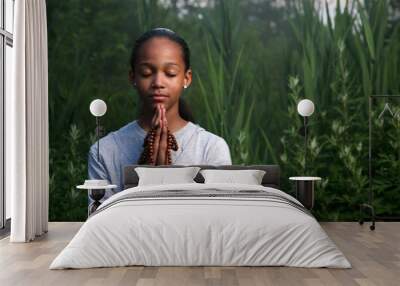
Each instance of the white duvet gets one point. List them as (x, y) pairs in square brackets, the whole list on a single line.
[(182, 231)]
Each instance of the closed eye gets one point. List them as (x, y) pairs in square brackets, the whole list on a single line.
[(146, 73)]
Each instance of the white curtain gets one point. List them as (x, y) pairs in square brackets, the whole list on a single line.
[(27, 147)]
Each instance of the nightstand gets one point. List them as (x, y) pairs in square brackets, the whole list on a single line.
[(305, 190), (96, 190)]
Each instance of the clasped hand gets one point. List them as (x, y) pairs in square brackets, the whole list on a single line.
[(158, 141)]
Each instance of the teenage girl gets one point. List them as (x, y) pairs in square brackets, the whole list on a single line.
[(165, 131)]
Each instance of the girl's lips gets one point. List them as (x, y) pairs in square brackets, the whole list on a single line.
[(159, 97)]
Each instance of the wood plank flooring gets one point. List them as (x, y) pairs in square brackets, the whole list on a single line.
[(374, 255)]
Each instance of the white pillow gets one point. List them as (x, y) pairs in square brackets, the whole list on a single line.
[(249, 177), (162, 176)]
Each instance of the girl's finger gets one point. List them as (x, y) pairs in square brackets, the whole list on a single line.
[(163, 147), (162, 115), (162, 112), (156, 145), (156, 116), (166, 140), (161, 119)]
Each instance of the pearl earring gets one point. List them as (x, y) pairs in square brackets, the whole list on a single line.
[(185, 86)]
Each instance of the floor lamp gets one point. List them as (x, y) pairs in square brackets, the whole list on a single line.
[(96, 188), (305, 108), (305, 184)]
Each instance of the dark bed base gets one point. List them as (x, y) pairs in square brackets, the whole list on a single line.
[(270, 179)]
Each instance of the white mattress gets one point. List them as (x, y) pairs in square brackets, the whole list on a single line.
[(183, 231)]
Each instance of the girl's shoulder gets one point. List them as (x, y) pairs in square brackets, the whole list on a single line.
[(130, 129), (208, 136), (117, 138), (214, 147)]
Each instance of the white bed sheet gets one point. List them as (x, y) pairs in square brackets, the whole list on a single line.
[(200, 231)]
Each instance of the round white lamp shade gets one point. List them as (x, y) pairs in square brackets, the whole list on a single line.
[(98, 107), (305, 107)]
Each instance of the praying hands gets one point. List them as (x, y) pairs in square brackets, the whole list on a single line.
[(159, 140)]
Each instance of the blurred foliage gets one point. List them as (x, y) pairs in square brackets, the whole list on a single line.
[(252, 62)]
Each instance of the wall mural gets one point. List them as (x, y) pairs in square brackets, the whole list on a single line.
[(252, 63)]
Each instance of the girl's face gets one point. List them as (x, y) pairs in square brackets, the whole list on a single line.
[(160, 73)]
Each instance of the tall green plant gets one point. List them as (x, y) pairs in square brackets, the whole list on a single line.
[(352, 52), (377, 47), (347, 138), (315, 49), (225, 89), (68, 169), (229, 112), (386, 160)]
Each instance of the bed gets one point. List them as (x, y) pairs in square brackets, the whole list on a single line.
[(201, 224)]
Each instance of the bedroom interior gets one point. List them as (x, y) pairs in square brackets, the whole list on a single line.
[(312, 194)]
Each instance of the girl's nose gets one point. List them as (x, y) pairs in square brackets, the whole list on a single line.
[(158, 81)]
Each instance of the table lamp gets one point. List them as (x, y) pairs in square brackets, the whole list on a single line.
[(305, 108)]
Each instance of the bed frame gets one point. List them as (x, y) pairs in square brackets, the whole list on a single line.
[(270, 179)]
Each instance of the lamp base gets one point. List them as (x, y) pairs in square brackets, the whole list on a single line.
[(96, 195), (305, 193)]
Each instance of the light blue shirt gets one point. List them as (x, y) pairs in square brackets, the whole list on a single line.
[(124, 147)]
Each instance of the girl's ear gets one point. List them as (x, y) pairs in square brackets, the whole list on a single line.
[(188, 78)]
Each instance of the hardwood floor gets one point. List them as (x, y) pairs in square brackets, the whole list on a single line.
[(374, 255)]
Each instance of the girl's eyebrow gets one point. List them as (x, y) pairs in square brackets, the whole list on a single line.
[(171, 63), (149, 64)]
